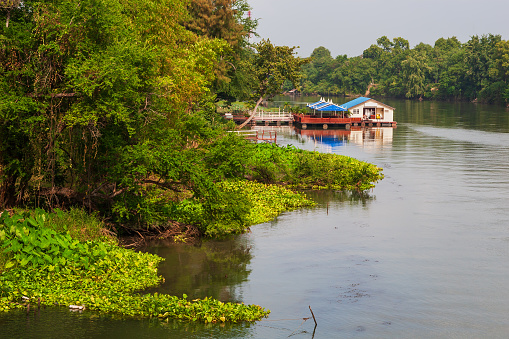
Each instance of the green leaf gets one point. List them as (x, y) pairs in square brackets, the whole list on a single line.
[(32, 221), (25, 260)]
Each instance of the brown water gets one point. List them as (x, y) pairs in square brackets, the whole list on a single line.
[(424, 255)]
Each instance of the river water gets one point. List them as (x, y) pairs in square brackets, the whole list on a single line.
[(425, 254)]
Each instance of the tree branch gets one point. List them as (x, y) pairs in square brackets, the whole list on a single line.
[(54, 95), (168, 185)]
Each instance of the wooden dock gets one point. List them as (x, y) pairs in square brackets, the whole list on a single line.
[(264, 118), (255, 135)]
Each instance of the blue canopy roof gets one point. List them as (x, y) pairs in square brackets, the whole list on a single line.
[(326, 106), (331, 108), (320, 104), (355, 102), (316, 103)]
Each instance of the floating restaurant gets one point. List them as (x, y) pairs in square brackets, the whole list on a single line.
[(358, 112)]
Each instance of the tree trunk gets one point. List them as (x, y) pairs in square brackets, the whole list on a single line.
[(252, 114), (8, 18), (8, 192), (368, 91)]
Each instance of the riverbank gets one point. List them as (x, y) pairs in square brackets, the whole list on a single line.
[(247, 189), (50, 259), (68, 258)]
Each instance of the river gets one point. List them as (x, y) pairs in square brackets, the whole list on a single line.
[(425, 254)]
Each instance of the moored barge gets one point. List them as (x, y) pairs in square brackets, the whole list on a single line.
[(358, 112)]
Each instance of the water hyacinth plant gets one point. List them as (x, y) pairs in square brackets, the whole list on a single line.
[(41, 266), (305, 169), (238, 205)]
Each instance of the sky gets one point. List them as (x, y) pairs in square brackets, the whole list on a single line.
[(349, 27)]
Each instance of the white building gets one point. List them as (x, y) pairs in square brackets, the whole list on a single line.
[(370, 109)]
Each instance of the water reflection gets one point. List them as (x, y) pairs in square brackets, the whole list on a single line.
[(209, 269), (216, 268), (463, 115), (330, 139), (332, 198), (370, 137)]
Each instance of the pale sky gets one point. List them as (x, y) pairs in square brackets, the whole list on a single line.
[(349, 27)]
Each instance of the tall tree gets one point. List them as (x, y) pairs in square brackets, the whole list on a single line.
[(215, 19), (226, 20), (479, 52), (81, 83), (320, 66), (271, 66), (501, 60), (414, 74)]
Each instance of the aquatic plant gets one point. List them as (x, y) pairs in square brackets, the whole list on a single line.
[(42, 266), (239, 204), (305, 169), (267, 201), (231, 205)]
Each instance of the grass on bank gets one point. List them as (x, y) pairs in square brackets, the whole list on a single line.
[(303, 169)]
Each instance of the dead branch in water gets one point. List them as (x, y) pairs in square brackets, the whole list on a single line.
[(174, 232)]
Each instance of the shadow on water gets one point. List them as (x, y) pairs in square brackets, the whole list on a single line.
[(212, 268), (334, 198)]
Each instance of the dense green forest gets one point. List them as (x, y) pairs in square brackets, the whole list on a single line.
[(477, 70), (109, 105)]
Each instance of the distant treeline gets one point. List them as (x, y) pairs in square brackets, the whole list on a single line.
[(449, 70)]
